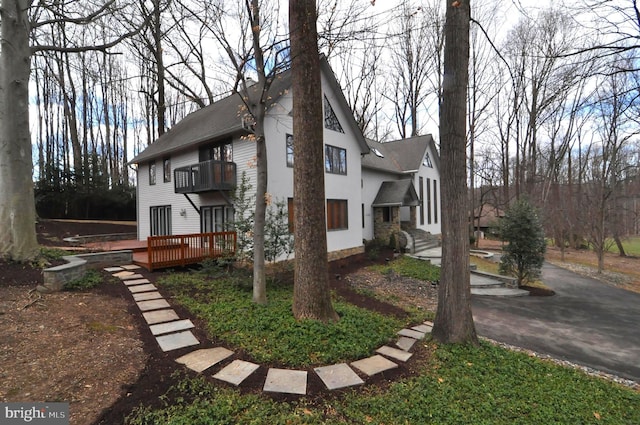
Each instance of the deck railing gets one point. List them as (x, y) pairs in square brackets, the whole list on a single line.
[(181, 250), (205, 176)]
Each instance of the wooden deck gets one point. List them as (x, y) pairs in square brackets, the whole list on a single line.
[(159, 252)]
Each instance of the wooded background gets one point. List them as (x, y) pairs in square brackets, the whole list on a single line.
[(553, 95)]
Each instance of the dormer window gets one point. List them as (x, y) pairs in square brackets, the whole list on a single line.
[(427, 161)]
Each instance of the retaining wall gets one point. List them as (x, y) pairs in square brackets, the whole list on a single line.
[(77, 265)]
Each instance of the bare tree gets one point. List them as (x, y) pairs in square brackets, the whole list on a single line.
[(616, 110), (17, 204), (415, 58), (258, 51), (454, 322), (17, 207)]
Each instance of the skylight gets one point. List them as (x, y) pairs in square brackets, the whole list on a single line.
[(377, 152)]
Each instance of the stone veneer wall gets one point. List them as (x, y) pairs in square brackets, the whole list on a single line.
[(344, 253), (56, 277), (382, 230)]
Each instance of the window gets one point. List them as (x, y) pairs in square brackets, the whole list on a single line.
[(421, 195), (289, 150), (428, 201), (152, 173), (166, 168), (335, 160), (218, 151), (435, 201), (427, 161), (330, 119), (215, 218), (337, 214), (160, 217)]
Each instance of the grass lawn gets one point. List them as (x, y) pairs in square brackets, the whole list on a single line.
[(631, 246), (452, 385)]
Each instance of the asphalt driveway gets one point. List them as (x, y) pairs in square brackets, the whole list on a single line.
[(587, 322)]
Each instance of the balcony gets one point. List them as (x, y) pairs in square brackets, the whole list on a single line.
[(205, 177)]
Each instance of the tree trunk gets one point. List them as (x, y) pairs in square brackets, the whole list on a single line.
[(454, 322), (311, 296), (259, 277), (618, 241), (258, 113), (17, 203)]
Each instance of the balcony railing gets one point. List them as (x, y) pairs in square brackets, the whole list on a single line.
[(205, 176)]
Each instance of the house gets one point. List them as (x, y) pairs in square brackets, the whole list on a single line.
[(401, 187), (186, 178), (485, 219)]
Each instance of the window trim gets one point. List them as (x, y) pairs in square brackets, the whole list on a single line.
[(427, 161), (152, 173), (158, 226), (341, 221), (428, 186), (329, 164), (166, 169), (289, 149), (435, 201)]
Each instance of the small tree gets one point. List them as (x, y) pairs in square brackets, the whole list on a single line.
[(244, 204), (524, 253), (278, 238)]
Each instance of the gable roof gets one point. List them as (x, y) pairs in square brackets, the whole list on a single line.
[(224, 118), (400, 193), (401, 156)]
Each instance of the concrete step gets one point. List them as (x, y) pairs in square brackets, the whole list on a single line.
[(499, 292), (485, 282)]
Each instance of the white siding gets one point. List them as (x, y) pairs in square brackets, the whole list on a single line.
[(163, 193), (429, 175), (358, 186)]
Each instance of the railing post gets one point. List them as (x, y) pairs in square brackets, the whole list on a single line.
[(149, 254)]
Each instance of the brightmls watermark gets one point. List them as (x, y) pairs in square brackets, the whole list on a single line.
[(34, 413)]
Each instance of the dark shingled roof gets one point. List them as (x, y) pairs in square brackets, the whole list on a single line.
[(396, 193), (218, 120), (400, 156), (224, 118)]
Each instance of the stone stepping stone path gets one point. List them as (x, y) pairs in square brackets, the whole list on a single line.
[(404, 342), (177, 340), (175, 326), (286, 381), (130, 282), (153, 304), (236, 372), (374, 365), (142, 288), (394, 353), (411, 333), (173, 333), (144, 296), (160, 316), (203, 359), (338, 376)]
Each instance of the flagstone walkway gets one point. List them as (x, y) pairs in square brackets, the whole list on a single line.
[(173, 333)]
